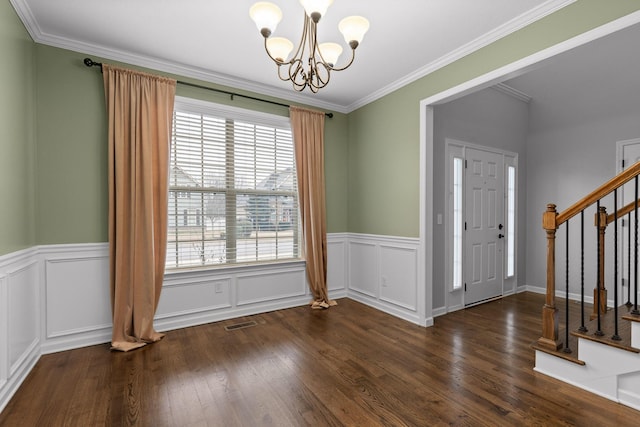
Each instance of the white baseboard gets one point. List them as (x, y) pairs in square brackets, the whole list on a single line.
[(440, 311), (10, 385), (629, 399), (386, 308)]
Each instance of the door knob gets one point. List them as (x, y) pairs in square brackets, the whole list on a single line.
[(500, 236), (500, 227)]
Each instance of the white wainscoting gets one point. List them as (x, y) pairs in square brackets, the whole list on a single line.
[(19, 319), (57, 297), (383, 273), (337, 264), (192, 298), (76, 294)]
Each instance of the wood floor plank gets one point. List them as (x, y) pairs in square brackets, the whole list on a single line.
[(350, 365)]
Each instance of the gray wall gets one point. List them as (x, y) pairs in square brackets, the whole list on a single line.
[(583, 103), (565, 163), (492, 119)]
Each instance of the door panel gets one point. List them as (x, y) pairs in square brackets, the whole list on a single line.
[(485, 197)]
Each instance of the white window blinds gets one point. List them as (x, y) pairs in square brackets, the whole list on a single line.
[(232, 190)]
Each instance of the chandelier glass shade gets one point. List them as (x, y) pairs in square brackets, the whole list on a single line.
[(312, 62)]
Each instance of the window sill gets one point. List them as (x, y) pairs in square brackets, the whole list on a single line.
[(236, 268)]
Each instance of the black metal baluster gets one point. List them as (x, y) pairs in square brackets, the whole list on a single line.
[(629, 261), (566, 293), (635, 256), (598, 331), (615, 336), (582, 327)]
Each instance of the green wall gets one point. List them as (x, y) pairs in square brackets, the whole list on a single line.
[(384, 135), (72, 149), (53, 135), (72, 192), (17, 141)]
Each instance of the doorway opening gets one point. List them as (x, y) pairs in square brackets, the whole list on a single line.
[(480, 215)]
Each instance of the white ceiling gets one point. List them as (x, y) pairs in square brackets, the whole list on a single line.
[(216, 41)]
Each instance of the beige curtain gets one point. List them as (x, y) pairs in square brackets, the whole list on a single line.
[(140, 109), (308, 137)]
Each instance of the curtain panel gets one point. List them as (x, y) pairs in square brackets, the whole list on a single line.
[(140, 110), (308, 135)]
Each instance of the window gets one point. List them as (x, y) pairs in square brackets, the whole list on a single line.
[(232, 188), (511, 221), (457, 223)]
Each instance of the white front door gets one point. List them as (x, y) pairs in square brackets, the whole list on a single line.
[(484, 201)]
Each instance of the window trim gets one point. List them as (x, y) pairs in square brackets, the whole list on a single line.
[(198, 106)]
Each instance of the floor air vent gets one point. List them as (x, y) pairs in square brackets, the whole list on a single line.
[(240, 325)]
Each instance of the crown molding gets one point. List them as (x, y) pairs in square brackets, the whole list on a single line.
[(193, 72), (512, 91), (535, 14), (38, 36), (539, 12)]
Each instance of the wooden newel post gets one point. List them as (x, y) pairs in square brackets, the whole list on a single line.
[(549, 338), (601, 223)]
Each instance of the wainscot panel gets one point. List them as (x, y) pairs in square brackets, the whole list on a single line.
[(398, 268), (24, 314), (337, 262), (76, 296), (194, 296), (263, 286), (20, 310), (4, 325), (364, 268), (383, 274)]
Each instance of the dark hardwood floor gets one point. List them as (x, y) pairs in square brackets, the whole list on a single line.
[(349, 365)]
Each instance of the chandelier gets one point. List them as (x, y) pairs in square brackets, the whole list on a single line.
[(312, 63)]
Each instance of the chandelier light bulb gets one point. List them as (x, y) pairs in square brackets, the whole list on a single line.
[(316, 9), (330, 52), (279, 48), (353, 29), (266, 16)]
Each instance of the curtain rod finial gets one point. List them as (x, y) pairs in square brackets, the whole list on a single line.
[(90, 63)]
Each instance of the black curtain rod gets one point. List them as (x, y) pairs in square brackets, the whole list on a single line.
[(90, 63)]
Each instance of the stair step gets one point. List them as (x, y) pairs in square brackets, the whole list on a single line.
[(624, 343), (570, 357), (606, 326), (632, 317)]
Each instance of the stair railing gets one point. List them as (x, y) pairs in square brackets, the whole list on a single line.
[(552, 220)]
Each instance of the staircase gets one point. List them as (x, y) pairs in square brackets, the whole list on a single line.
[(599, 364), (595, 344)]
